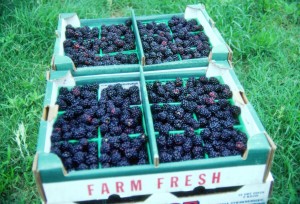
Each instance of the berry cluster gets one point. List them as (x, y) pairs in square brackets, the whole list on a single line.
[(83, 33), (171, 91), (78, 122), (86, 54), (180, 147), (117, 38), (83, 45), (157, 43), (77, 156), (202, 90), (80, 117), (119, 119), (123, 151), (189, 44), (84, 96), (116, 115), (172, 117), (227, 142), (218, 115), (186, 40), (79, 127)]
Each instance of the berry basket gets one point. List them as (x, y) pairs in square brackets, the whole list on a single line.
[(152, 171), (82, 46), (192, 47)]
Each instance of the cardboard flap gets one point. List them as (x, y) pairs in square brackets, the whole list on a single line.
[(61, 63), (52, 113), (52, 63), (47, 75), (51, 166), (270, 157), (156, 160), (230, 53), (67, 80), (69, 18), (37, 178), (243, 96), (212, 23)]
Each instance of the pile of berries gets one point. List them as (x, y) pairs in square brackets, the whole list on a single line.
[(223, 143), (117, 38), (180, 147), (157, 42), (79, 119), (199, 104), (172, 117), (171, 91), (202, 90), (117, 113), (191, 42), (81, 155), (165, 43), (121, 116), (79, 122), (83, 45), (123, 151)]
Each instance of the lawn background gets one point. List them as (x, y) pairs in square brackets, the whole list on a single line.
[(264, 36)]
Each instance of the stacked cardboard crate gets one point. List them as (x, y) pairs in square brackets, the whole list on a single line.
[(224, 179)]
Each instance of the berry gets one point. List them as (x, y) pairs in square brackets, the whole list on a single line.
[(131, 153), (115, 157), (104, 158), (165, 157), (176, 156), (205, 134), (187, 146), (78, 158), (82, 167)]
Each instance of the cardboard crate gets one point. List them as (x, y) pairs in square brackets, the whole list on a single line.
[(220, 50), (60, 62), (56, 185)]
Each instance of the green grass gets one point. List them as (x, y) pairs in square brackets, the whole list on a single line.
[(264, 36)]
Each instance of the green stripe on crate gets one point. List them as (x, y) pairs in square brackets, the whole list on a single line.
[(148, 117), (172, 74), (255, 117), (139, 47), (50, 166), (48, 94), (57, 46), (236, 80), (41, 136), (189, 63), (63, 63), (54, 75), (111, 69), (100, 21), (108, 78), (162, 17)]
